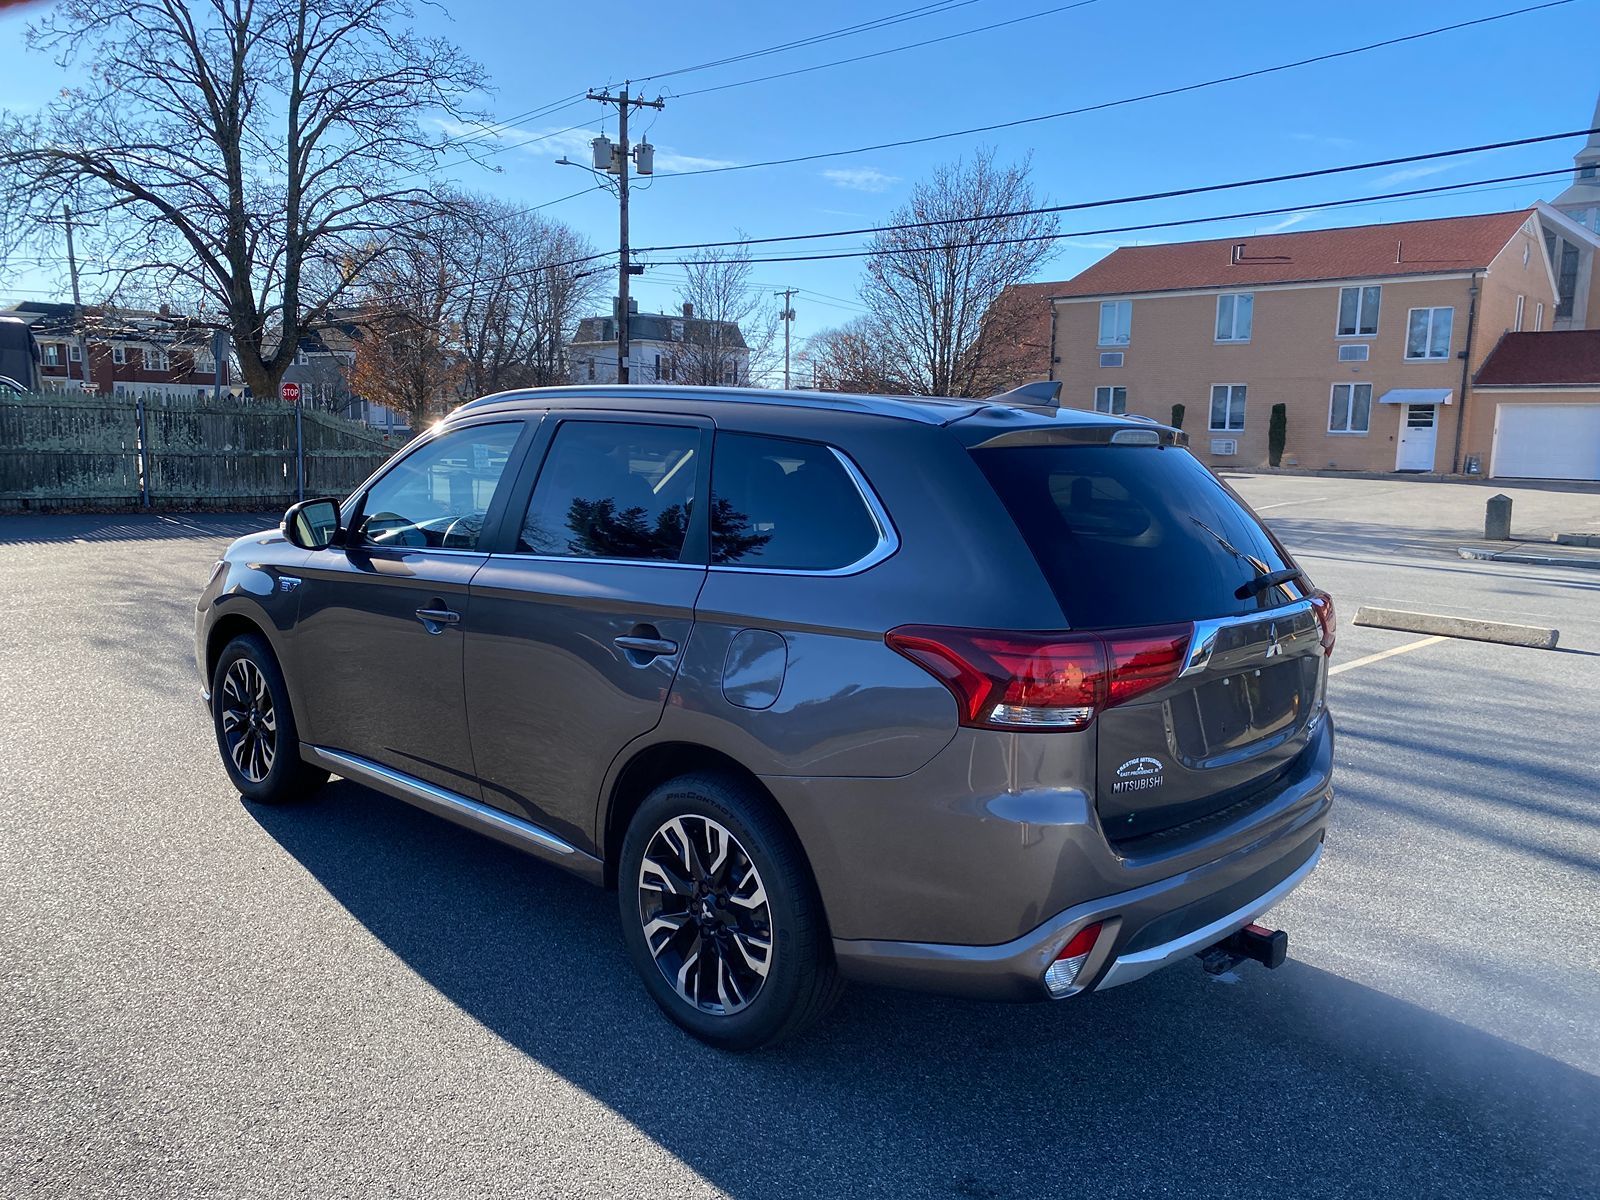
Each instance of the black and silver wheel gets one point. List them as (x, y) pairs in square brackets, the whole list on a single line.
[(255, 727), (721, 915)]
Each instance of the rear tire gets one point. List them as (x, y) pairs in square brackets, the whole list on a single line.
[(255, 727), (721, 916)]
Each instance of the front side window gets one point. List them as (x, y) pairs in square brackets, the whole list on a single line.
[(1227, 406), (785, 506), (52, 355), (1235, 312), (1351, 408), (119, 354), (1116, 322), (74, 352), (1358, 311), (1428, 332), (438, 496), (1111, 400), (614, 490)]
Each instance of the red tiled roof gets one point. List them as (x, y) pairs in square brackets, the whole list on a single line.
[(1362, 252), (1557, 359)]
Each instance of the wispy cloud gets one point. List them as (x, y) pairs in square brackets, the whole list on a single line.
[(1407, 174), (1288, 222), (672, 163), (861, 179), (842, 212)]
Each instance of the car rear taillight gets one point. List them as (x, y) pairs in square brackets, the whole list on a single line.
[(1063, 973), (1057, 681), (1322, 605)]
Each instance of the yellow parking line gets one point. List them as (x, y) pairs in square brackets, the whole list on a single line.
[(1372, 658)]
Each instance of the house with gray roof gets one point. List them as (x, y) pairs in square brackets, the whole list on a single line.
[(662, 347)]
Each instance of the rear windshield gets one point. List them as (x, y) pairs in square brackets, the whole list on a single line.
[(1134, 535)]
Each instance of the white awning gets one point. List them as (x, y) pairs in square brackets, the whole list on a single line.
[(1416, 396)]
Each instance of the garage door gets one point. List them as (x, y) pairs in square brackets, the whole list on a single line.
[(1546, 441)]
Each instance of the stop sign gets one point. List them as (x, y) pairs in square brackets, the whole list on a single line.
[(291, 393)]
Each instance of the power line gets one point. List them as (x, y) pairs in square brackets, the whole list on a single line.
[(839, 62), (1144, 197), (1176, 91)]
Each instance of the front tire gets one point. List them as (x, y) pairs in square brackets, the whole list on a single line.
[(721, 916), (254, 725)]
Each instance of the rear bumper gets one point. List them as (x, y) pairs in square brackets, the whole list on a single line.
[(1141, 930)]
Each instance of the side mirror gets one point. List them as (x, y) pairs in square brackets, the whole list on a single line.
[(312, 524)]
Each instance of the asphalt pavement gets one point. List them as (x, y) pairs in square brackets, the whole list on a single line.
[(199, 997)]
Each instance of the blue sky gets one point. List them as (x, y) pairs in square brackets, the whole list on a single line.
[(1523, 76)]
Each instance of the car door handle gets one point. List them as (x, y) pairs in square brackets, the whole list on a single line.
[(432, 618), (650, 647)]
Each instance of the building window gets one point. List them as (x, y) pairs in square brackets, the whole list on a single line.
[(1350, 411), (658, 366), (1587, 171), (119, 355), (1227, 406), (677, 331), (1358, 311), (155, 360), (1538, 317), (52, 354), (1428, 333), (590, 361), (74, 352), (1234, 313), (1566, 279), (730, 376), (1112, 400), (1116, 322), (1522, 303)]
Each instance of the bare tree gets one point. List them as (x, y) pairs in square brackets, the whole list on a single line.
[(522, 295), (854, 357), (254, 156), (734, 328), (930, 286), (409, 356)]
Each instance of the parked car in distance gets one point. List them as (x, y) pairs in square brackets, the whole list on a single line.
[(987, 697)]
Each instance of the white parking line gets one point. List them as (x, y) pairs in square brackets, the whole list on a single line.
[(1372, 658), (1286, 503)]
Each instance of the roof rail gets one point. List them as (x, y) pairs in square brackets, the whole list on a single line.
[(926, 410), (1043, 393)]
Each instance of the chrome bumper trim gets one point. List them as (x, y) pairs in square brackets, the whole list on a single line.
[(1139, 964)]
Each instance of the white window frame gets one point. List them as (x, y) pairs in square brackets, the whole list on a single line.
[(1244, 400), (1234, 338), (1361, 290), (1350, 408), (119, 355), (1121, 329), (1432, 312), (52, 354), (1522, 303), (74, 352), (1538, 317), (1111, 390)]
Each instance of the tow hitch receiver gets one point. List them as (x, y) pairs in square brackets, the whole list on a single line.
[(1257, 943)]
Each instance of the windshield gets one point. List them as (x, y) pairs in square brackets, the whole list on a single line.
[(1137, 535)]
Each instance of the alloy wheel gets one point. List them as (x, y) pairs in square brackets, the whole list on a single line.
[(705, 914), (249, 721)]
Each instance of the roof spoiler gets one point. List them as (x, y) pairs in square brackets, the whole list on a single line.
[(1043, 393)]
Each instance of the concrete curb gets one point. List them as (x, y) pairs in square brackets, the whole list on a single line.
[(1458, 627), (1486, 554)]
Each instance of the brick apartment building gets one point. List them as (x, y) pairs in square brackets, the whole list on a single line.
[(129, 350)]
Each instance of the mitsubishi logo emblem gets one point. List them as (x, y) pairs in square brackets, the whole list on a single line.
[(1274, 647)]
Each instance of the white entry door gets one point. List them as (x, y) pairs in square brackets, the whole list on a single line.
[(1418, 435)]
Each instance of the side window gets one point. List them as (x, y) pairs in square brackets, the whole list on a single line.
[(785, 506), (437, 496), (613, 490)]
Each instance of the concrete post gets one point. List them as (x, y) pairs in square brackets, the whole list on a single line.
[(1497, 519)]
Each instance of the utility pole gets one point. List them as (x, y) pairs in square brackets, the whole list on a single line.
[(77, 300), (614, 160), (788, 319)]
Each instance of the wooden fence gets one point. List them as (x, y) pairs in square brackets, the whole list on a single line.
[(66, 451)]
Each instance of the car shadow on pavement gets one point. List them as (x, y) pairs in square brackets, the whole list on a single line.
[(1298, 1082)]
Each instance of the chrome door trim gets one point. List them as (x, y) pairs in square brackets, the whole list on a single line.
[(474, 814), (1133, 966), (888, 541), (1204, 639)]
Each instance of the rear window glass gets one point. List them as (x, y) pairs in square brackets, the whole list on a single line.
[(1133, 535), (785, 506)]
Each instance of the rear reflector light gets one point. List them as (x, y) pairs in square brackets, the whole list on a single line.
[(1322, 605), (1058, 681), (1062, 973)]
